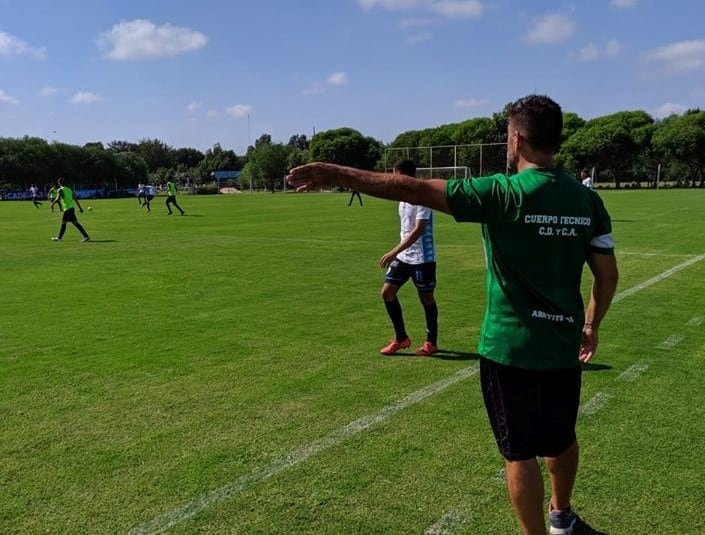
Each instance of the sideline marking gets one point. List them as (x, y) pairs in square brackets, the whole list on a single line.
[(451, 521), (214, 497), (671, 342), (633, 372), (190, 509), (695, 322), (595, 403), (658, 278)]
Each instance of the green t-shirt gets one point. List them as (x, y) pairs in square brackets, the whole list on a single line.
[(67, 198), (538, 227), (171, 187)]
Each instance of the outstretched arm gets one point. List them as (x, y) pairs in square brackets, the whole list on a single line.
[(606, 275), (395, 187)]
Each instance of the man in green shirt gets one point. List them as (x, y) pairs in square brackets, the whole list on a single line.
[(539, 226), (51, 195), (67, 199), (171, 197)]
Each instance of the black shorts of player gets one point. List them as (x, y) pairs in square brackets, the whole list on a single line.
[(69, 216), (532, 412), (171, 199), (423, 275)]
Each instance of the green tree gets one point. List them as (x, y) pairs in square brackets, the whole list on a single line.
[(267, 165), (613, 143), (679, 141), (156, 153), (345, 146)]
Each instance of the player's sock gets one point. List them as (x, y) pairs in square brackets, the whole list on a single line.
[(431, 312), (62, 231), (81, 230), (395, 314)]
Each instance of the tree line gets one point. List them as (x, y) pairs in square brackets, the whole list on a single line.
[(623, 147)]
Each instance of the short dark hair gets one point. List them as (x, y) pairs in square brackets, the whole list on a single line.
[(406, 167), (540, 121)]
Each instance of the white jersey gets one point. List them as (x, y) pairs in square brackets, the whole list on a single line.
[(34, 191), (422, 250)]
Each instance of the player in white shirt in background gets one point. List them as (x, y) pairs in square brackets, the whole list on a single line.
[(414, 257), (34, 191), (586, 179)]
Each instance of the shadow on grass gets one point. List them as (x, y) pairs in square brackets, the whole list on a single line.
[(443, 354), (103, 241), (583, 528), (589, 367)]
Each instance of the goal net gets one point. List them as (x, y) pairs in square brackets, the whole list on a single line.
[(445, 173), (478, 159)]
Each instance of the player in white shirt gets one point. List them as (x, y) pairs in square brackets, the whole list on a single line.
[(34, 191), (414, 257), (586, 179)]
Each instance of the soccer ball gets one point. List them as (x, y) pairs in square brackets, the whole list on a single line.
[(90, 208)]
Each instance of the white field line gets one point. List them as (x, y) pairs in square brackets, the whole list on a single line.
[(451, 521), (224, 493), (633, 372), (595, 403), (695, 322), (658, 278), (637, 253), (671, 342), (205, 501)]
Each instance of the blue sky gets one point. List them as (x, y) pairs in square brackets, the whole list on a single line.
[(190, 73)]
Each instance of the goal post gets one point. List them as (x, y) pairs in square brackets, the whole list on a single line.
[(480, 159)]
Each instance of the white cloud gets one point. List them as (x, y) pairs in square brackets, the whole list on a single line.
[(7, 99), (683, 56), (612, 48), (48, 91), (315, 88), (84, 97), (239, 110), (550, 29), (472, 102), (588, 53), (194, 106), (669, 108), (592, 52), (446, 8), (142, 39), (390, 5), (623, 4), (418, 38), (405, 24), (318, 88), (13, 46), (338, 78), (457, 8)]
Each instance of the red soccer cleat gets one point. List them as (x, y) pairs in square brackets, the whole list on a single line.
[(427, 349), (395, 345)]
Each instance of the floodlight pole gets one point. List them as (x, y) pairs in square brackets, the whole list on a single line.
[(658, 175)]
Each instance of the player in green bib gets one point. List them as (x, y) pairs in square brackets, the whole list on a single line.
[(67, 199), (539, 226), (171, 197), (51, 195)]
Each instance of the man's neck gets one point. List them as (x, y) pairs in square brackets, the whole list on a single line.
[(543, 161)]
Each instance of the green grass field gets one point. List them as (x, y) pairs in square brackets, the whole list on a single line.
[(219, 373)]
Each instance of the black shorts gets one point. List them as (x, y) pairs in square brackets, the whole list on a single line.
[(532, 412), (171, 199), (69, 216), (423, 275)]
